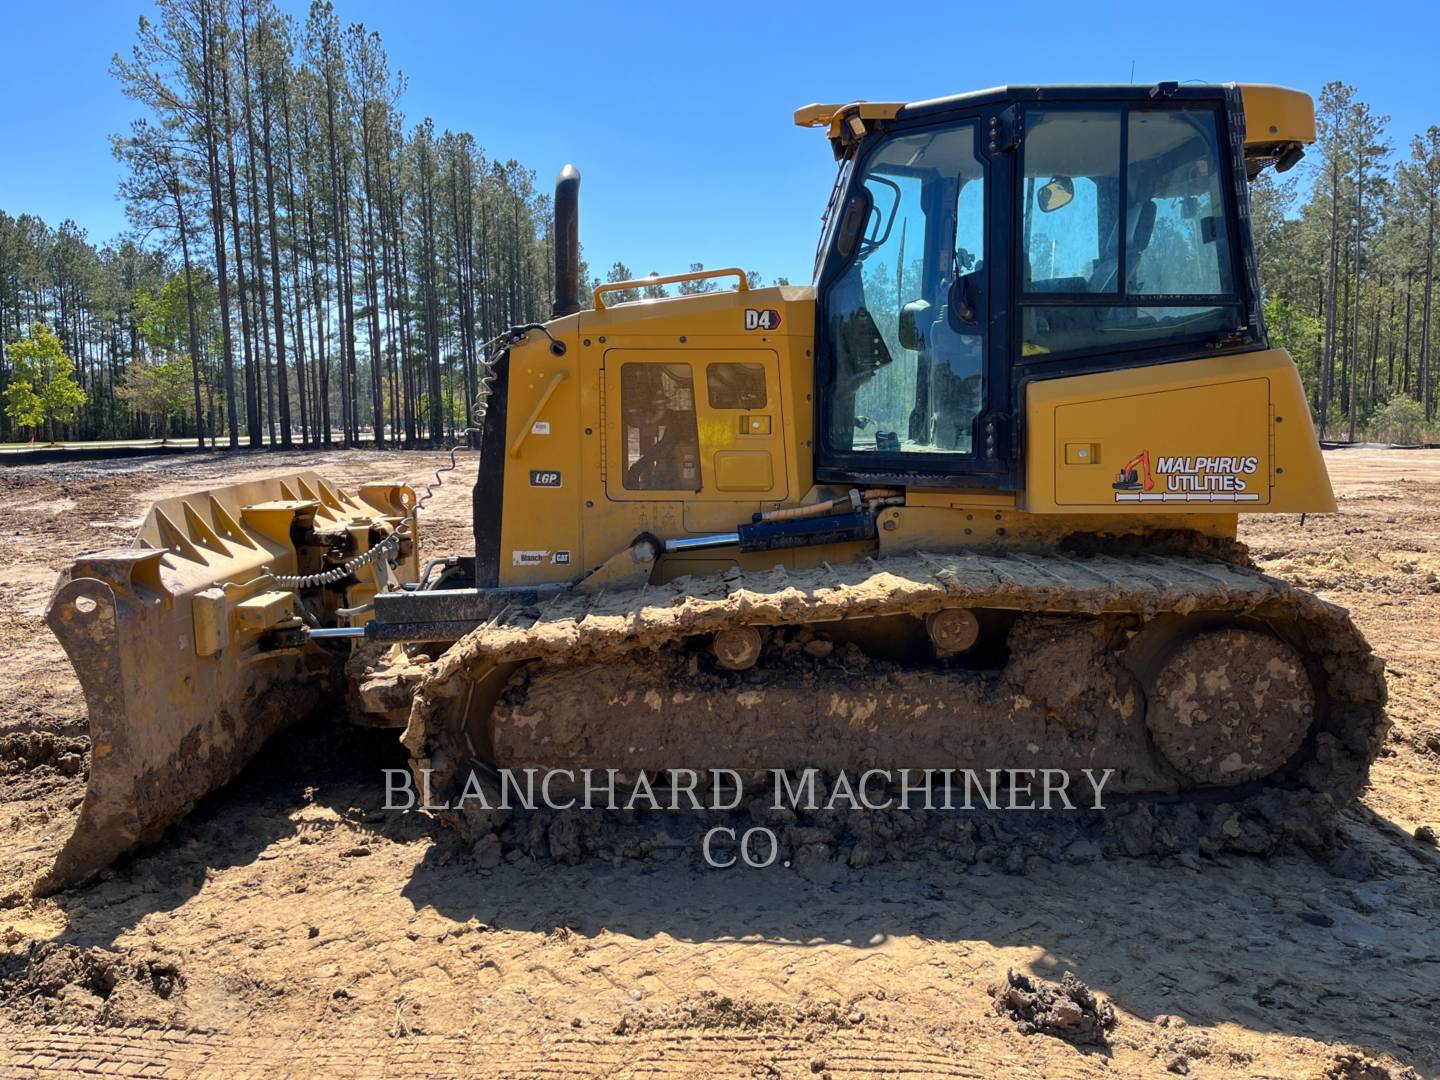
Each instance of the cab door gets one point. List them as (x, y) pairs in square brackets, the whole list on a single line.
[(913, 321)]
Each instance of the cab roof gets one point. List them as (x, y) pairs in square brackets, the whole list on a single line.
[(1275, 117)]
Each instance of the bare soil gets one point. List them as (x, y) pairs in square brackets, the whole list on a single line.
[(290, 926)]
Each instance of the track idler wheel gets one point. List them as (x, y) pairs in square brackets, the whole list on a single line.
[(1230, 705)]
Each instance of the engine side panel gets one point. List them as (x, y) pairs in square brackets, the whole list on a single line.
[(571, 434), (1223, 434)]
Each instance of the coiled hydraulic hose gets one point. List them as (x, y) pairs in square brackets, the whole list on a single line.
[(501, 345)]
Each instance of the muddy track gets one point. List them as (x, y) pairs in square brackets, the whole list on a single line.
[(1297, 808)]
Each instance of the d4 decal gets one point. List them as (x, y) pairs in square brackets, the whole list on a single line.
[(766, 319)]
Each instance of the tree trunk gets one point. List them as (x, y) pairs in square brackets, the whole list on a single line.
[(190, 317), (1353, 346), (298, 290), (1327, 364), (257, 249), (213, 116), (1426, 376), (322, 365), (338, 200), (277, 292), (367, 241), (252, 403)]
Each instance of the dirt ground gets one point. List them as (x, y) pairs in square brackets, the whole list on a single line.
[(290, 927)]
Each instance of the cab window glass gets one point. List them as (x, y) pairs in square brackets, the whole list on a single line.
[(735, 386), (906, 316), (662, 443), (1182, 245), (1072, 204), (1158, 207)]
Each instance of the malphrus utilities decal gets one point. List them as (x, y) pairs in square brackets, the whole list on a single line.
[(1226, 478)]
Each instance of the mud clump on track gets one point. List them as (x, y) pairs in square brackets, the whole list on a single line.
[(64, 983), (1067, 1010)]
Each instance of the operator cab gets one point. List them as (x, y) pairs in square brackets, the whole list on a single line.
[(975, 243)]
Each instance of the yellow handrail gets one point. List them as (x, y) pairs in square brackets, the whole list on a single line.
[(670, 279)]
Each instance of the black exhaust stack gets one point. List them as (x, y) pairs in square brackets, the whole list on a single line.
[(567, 242)]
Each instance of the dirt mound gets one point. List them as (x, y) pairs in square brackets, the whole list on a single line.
[(1068, 1010), (1388, 572), (713, 1011), (1178, 1047), (22, 751), (66, 983), (1353, 1066)]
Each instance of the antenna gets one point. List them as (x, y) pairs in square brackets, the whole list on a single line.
[(1132, 71)]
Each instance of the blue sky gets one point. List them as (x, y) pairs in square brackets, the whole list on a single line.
[(679, 115)]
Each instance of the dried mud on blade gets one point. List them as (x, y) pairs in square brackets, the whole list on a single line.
[(186, 675)]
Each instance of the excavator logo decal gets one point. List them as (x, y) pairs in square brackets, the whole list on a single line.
[(1135, 475), (1186, 479)]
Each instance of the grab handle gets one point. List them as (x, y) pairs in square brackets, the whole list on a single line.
[(670, 279)]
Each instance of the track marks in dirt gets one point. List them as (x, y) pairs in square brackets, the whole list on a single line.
[(419, 964)]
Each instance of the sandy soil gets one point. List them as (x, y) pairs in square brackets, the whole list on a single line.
[(291, 927)]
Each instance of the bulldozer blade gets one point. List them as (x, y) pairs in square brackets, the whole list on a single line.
[(187, 655)]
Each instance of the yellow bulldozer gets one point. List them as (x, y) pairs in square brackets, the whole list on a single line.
[(969, 499)]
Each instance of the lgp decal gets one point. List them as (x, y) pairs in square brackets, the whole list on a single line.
[(548, 478), (768, 319), (1186, 479)]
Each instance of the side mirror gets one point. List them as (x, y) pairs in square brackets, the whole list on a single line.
[(850, 225), (914, 316), (961, 303), (1059, 192), (856, 210)]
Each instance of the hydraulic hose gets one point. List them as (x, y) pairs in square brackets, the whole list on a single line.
[(488, 362)]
